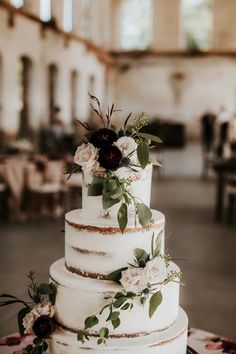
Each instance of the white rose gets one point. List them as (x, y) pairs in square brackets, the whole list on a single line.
[(155, 270), (28, 322), (133, 279), (86, 156), (43, 309), (128, 146)]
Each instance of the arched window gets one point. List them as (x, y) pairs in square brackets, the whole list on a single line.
[(24, 92), (17, 3), (68, 16), (45, 10), (74, 95), (52, 82), (197, 24), (135, 24)]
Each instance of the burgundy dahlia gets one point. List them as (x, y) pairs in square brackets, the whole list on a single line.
[(103, 137), (43, 326), (110, 157)]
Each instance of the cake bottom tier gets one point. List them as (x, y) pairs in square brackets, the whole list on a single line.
[(171, 341)]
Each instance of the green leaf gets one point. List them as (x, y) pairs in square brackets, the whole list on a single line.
[(28, 348), (116, 275), (155, 301), (45, 346), (150, 137), (99, 341), (52, 296), (143, 154), (119, 302), (45, 289), (122, 216), (144, 215), (108, 202), (114, 315), (96, 187), (21, 314), (91, 322), (116, 323), (72, 169), (104, 332), (80, 336), (125, 307), (142, 256)]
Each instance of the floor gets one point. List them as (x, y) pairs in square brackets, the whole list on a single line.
[(205, 250)]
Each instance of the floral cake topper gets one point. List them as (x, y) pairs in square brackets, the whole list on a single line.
[(106, 150)]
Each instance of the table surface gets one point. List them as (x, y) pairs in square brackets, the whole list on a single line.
[(199, 342)]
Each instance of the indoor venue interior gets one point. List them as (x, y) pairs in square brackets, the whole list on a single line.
[(62, 63)]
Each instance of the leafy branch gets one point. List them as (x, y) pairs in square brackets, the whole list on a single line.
[(115, 190)]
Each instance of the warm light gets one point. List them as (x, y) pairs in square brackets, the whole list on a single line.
[(17, 3), (68, 15)]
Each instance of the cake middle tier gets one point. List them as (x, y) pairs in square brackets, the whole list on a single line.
[(96, 247), (78, 298)]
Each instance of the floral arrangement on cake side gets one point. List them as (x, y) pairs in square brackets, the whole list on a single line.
[(140, 282), (108, 149), (36, 317)]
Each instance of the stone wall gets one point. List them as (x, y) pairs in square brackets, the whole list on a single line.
[(177, 88)]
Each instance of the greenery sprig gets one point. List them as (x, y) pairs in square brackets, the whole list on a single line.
[(124, 300), (116, 190), (37, 294)]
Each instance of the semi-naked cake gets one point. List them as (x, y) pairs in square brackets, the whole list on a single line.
[(96, 247), (116, 290)]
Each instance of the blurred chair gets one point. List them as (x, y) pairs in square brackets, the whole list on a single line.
[(46, 189), (74, 192)]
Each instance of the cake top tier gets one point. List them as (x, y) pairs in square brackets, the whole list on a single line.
[(117, 168)]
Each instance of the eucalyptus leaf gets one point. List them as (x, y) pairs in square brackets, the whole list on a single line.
[(96, 187), (91, 322), (80, 336), (122, 216), (116, 275), (150, 137), (108, 202), (45, 289), (143, 154), (144, 215), (142, 257), (155, 301), (104, 332), (114, 315), (116, 323), (99, 341), (119, 302)]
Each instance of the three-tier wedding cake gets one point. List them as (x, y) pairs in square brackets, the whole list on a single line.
[(96, 247)]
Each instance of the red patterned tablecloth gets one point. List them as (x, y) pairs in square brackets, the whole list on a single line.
[(199, 342)]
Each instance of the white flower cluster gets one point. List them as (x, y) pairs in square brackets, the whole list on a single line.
[(86, 155), (137, 279), (43, 309)]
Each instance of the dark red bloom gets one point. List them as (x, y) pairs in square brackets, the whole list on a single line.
[(110, 157), (43, 327), (103, 137)]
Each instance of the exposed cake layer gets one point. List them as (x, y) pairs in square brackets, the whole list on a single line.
[(140, 188), (79, 297), (170, 341), (96, 247)]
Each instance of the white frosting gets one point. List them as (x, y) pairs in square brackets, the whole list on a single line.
[(140, 188), (171, 341), (79, 297), (93, 251)]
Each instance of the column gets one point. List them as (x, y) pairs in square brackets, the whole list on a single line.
[(224, 24), (166, 25)]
